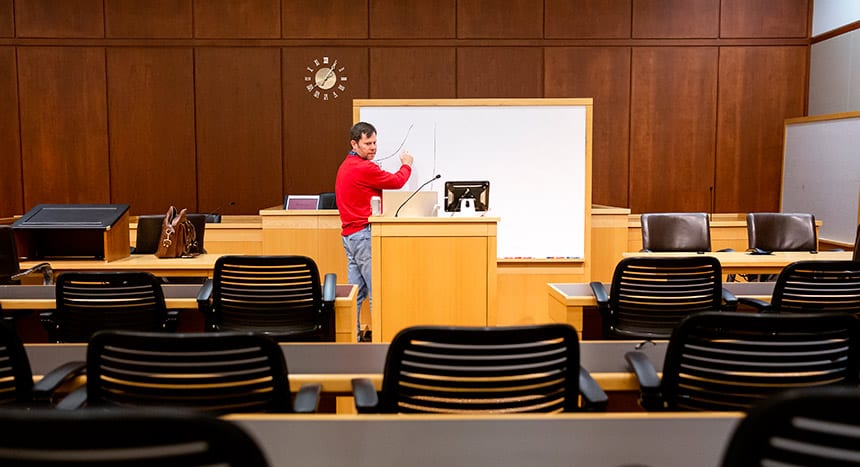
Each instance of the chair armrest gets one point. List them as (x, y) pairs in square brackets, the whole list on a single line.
[(594, 399), (204, 304), (759, 305), (730, 302), (650, 397), (645, 250), (329, 287), (602, 299), (308, 398), (44, 389), (75, 400), (366, 398), (44, 268), (726, 249)]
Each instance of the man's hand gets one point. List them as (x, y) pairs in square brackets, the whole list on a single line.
[(406, 158)]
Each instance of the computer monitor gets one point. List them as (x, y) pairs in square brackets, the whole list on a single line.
[(301, 202), (457, 191)]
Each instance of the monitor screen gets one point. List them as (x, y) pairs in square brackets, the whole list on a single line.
[(301, 202), (456, 191)]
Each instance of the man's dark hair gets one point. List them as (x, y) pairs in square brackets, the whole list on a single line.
[(361, 128)]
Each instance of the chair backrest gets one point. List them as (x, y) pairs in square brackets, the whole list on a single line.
[(650, 296), (123, 438), (731, 361), (199, 223), (92, 301), (676, 231), (327, 201), (16, 378), (776, 231), (439, 369), (803, 427), (209, 372), (813, 286), (9, 263), (279, 295)]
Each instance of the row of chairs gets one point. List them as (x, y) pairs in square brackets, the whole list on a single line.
[(691, 231), (713, 361), (281, 295), (649, 296), (808, 427)]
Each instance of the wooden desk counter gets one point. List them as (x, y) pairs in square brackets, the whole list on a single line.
[(566, 300), (741, 262), (177, 296), (200, 266), (598, 439)]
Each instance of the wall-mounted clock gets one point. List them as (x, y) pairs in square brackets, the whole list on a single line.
[(326, 79)]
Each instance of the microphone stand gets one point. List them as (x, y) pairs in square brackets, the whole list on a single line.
[(397, 213)]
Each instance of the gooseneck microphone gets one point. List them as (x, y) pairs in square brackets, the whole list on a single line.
[(438, 176), (214, 216)]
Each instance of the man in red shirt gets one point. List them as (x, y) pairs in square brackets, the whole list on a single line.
[(358, 180)]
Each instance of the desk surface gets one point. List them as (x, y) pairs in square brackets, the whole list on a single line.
[(202, 265), (580, 294), (177, 296), (740, 262), (666, 440)]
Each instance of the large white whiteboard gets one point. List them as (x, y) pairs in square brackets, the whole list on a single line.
[(821, 173), (535, 153)]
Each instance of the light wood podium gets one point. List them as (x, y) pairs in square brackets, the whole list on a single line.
[(432, 270)]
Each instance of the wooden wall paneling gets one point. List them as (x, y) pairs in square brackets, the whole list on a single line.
[(63, 125), (151, 119), (316, 131), (578, 19), (11, 198), (676, 18), (53, 18), (238, 108), (759, 88), (413, 19), (237, 18), (152, 18), (602, 73), (508, 19), (765, 18), (7, 22), (499, 72), (313, 19), (413, 72), (673, 128)]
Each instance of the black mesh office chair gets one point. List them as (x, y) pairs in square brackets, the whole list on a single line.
[(278, 295), (92, 301), (814, 286), (650, 296), (676, 231), (123, 438), (10, 267), (803, 427), (436, 369), (209, 372), (732, 361)]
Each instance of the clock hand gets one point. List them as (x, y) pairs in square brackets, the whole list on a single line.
[(328, 75)]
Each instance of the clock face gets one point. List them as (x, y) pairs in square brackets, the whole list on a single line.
[(325, 78)]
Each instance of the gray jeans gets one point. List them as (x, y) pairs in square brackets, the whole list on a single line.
[(357, 247)]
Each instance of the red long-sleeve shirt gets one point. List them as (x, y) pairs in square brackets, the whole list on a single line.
[(357, 181)]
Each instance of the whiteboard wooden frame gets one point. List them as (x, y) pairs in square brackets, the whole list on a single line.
[(821, 172), (500, 137)]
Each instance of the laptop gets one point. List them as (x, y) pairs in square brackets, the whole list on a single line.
[(423, 204), (301, 202)]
